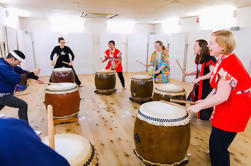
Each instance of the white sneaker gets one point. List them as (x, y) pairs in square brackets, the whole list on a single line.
[(38, 132), (2, 116)]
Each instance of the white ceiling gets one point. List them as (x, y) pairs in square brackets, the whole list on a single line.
[(139, 10)]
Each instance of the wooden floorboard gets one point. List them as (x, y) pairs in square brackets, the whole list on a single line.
[(108, 121)]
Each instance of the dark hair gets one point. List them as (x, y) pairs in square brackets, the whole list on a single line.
[(60, 38), (161, 44), (111, 41), (199, 59), (19, 53)]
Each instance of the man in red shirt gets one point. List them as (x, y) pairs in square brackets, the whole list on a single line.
[(113, 55)]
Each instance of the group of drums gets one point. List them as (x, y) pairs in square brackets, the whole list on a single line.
[(161, 131), (63, 95)]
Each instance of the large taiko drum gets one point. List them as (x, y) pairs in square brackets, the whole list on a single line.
[(105, 81), (141, 88), (169, 91), (77, 150), (65, 99), (62, 75), (162, 133)]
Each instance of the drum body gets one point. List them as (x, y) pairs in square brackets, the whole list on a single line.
[(169, 91), (62, 75), (105, 81), (65, 99), (77, 150), (161, 133), (141, 88)]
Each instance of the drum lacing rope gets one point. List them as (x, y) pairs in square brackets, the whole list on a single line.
[(157, 164), (164, 122), (92, 161)]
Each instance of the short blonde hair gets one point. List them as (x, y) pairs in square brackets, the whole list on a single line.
[(225, 39)]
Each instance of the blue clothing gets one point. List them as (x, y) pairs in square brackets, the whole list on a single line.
[(20, 146), (9, 76)]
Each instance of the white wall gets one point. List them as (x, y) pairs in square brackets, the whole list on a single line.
[(25, 45), (88, 45), (194, 32), (137, 50), (191, 38), (134, 46)]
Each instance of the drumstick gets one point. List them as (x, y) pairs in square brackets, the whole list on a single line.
[(56, 60), (140, 62), (49, 83), (180, 66), (22, 93), (65, 62), (182, 101), (51, 127)]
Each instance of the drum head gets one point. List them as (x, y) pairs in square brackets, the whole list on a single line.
[(141, 77), (75, 148), (63, 69), (105, 71), (64, 86), (163, 114), (169, 88)]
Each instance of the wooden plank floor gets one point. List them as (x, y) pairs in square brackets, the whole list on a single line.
[(108, 121)]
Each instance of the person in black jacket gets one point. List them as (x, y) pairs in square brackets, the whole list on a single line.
[(63, 59), (204, 65)]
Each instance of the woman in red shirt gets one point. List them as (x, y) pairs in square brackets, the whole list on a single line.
[(113, 55), (230, 97)]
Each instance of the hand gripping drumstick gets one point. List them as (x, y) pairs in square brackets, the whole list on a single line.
[(180, 66), (51, 127)]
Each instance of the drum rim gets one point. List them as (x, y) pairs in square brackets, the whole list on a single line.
[(106, 72), (164, 120), (151, 118), (157, 164), (91, 157), (170, 91), (64, 90), (150, 78), (69, 69)]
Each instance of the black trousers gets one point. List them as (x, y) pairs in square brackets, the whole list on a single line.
[(12, 101), (218, 144), (122, 80), (60, 64)]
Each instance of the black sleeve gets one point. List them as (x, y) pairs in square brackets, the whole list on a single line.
[(210, 60), (54, 51), (213, 59), (31, 75), (70, 52)]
